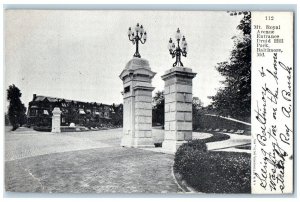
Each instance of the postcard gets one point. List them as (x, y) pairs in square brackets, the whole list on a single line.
[(149, 101)]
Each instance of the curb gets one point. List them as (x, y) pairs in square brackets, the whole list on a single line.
[(182, 184)]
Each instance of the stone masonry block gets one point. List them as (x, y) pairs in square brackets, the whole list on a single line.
[(170, 135), (180, 135), (167, 90), (143, 119), (141, 98), (188, 116), (170, 81), (143, 105), (171, 97), (182, 88), (143, 133), (143, 126), (167, 125), (173, 88), (179, 116), (172, 106), (148, 133), (167, 107), (143, 93), (172, 125), (143, 112), (184, 97), (139, 133), (184, 126), (187, 107), (171, 116)]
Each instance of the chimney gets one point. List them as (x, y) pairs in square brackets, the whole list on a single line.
[(34, 96)]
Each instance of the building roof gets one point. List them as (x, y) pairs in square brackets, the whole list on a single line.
[(38, 98)]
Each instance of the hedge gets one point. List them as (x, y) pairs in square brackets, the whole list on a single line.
[(42, 128), (213, 171)]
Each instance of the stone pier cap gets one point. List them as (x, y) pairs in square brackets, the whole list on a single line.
[(179, 72), (137, 66)]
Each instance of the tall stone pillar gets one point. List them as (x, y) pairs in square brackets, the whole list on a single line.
[(178, 107), (137, 104), (56, 120)]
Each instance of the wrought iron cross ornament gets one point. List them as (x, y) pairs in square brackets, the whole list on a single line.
[(178, 51), (139, 35)]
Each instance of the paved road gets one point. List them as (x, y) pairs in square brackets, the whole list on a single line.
[(89, 162), (231, 144), (83, 162)]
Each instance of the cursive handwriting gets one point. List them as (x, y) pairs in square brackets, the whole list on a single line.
[(274, 72), (274, 133)]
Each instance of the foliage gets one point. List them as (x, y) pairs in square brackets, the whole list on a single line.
[(213, 172), (117, 115), (42, 128), (234, 99), (215, 122), (197, 112), (158, 109), (72, 114), (16, 110), (6, 120)]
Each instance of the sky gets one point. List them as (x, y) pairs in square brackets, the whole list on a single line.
[(79, 55)]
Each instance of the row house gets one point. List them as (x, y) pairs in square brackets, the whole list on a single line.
[(81, 113)]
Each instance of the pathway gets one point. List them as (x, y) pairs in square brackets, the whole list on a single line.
[(231, 144), (83, 162)]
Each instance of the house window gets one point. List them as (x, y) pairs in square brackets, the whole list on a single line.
[(33, 112)]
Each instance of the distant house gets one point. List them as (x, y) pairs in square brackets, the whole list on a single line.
[(90, 114)]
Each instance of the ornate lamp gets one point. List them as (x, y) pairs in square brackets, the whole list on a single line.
[(179, 50), (136, 36)]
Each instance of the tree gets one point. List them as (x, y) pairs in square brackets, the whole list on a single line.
[(234, 99), (16, 109), (117, 114), (6, 120), (158, 109), (197, 112)]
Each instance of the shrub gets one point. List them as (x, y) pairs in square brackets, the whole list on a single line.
[(213, 171), (196, 145), (42, 128)]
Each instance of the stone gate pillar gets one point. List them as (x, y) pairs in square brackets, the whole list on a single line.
[(56, 120), (178, 107), (137, 104)]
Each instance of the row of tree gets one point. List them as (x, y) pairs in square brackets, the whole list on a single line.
[(16, 115), (234, 98)]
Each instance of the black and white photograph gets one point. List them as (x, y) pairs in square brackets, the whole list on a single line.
[(147, 102)]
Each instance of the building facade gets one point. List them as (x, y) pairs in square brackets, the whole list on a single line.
[(89, 114)]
